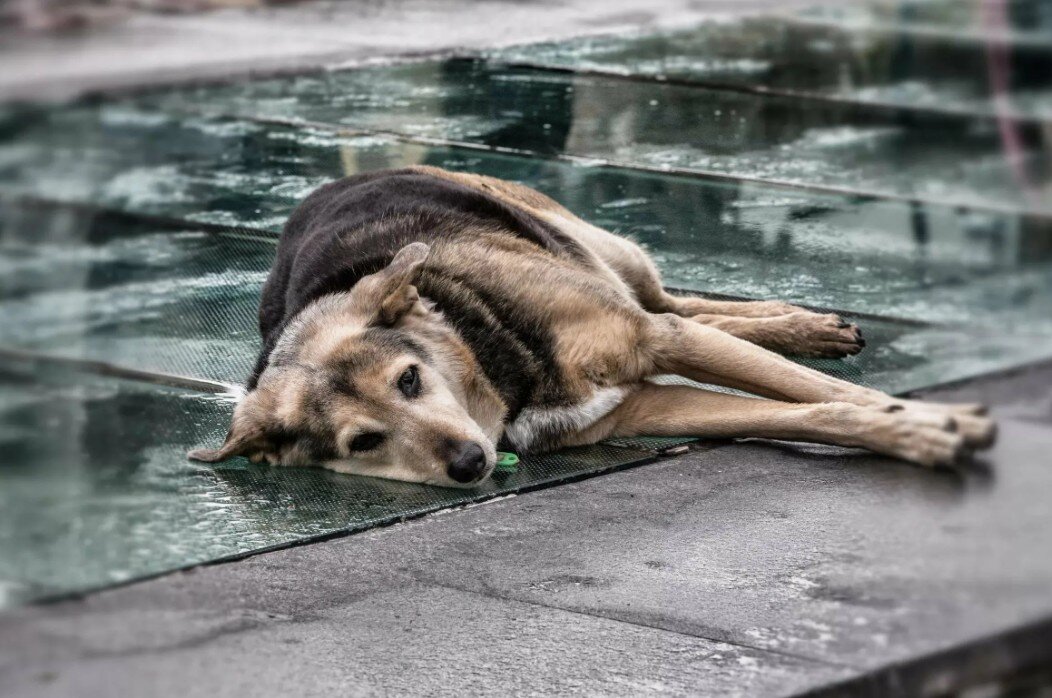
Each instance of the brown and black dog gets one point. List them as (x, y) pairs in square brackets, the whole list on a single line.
[(414, 318)]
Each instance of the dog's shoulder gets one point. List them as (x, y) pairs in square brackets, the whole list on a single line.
[(352, 227)]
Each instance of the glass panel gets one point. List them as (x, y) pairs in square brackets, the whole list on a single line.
[(1022, 20), (649, 124), (184, 302), (925, 262), (100, 288), (95, 487), (877, 59)]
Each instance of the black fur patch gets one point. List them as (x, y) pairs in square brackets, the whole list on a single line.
[(353, 227)]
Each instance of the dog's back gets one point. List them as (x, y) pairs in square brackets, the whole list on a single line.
[(493, 268)]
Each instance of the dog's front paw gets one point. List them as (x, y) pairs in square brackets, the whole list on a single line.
[(929, 439), (978, 431)]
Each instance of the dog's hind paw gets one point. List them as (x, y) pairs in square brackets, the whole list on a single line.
[(815, 335)]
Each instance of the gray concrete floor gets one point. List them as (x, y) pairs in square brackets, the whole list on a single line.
[(753, 569), (146, 49)]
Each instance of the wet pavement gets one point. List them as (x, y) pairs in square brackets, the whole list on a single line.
[(912, 56), (865, 159), (849, 145), (148, 48), (754, 569)]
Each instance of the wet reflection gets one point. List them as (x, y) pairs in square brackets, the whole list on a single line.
[(96, 487), (846, 252), (184, 302), (856, 53), (649, 124), (107, 288), (1024, 20)]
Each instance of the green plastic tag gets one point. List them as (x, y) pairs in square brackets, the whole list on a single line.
[(507, 461)]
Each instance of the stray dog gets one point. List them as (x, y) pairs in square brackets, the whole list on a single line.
[(414, 318)]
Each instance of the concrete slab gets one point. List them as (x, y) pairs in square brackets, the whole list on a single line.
[(148, 49), (849, 560), (1024, 393), (396, 638), (759, 568)]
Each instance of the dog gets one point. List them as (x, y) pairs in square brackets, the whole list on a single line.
[(416, 318)]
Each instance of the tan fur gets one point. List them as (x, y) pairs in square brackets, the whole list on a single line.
[(628, 269), (614, 328), (607, 346)]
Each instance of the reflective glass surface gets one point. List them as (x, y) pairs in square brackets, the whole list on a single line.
[(649, 124), (183, 302), (938, 241), (969, 63), (100, 288), (921, 261), (95, 487), (1018, 20)]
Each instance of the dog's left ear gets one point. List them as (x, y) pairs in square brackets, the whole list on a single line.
[(386, 296), (244, 438), (236, 444)]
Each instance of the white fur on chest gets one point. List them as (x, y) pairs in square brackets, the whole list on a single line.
[(534, 423)]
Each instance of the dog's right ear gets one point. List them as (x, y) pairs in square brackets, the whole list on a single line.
[(386, 296)]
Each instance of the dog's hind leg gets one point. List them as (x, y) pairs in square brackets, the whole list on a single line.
[(796, 334), (676, 410), (708, 355), (771, 324), (632, 264)]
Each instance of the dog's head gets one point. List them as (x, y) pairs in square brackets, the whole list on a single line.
[(363, 383)]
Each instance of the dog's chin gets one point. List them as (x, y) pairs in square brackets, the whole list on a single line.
[(450, 483)]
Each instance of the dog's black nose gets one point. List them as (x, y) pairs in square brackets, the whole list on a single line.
[(467, 463)]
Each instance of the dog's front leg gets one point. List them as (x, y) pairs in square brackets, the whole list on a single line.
[(676, 410), (705, 354)]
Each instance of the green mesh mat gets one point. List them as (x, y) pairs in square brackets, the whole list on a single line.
[(95, 488), (928, 55), (647, 124)]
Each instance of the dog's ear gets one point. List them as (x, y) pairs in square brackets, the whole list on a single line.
[(386, 296), (245, 437)]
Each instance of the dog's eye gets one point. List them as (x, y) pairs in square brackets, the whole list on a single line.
[(409, 382), (367, 441)]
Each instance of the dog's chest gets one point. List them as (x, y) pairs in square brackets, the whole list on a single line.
[(537, 428)]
